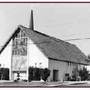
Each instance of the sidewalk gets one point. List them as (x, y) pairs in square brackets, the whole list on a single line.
[(75, 82), (43, 84), (2, 81)]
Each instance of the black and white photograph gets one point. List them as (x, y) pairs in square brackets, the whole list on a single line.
[(45, 45)]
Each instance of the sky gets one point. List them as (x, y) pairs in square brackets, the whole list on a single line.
[(61, 20)]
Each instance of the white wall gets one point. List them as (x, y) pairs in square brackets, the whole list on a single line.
[(5, 56), (35, 55)]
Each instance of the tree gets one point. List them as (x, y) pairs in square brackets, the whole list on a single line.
[(84, 74), (45, 74)]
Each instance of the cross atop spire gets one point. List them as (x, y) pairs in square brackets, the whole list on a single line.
[(31, 26)]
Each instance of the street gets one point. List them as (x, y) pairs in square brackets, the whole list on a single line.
[(38, 84)]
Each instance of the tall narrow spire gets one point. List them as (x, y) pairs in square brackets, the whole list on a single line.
[(31, 21)]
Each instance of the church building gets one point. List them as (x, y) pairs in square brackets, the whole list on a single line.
[(33, 48)]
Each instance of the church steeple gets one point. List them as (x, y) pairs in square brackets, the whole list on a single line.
[(31, 26)]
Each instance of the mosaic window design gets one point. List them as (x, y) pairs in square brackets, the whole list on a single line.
[(20, 44)]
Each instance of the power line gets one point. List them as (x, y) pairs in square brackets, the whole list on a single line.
[(75, 34), (76, 39)]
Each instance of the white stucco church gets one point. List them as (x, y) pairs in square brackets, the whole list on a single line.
[(33, 48)]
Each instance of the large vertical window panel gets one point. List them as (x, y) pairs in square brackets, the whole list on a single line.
[(19, 52)]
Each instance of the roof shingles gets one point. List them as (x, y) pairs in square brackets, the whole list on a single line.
[(56, 48)]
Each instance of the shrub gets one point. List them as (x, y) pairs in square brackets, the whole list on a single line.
[(34, 74), (84, 74), (4, 74), (30, 74), (45, 74), (37, 73), (67, 77)]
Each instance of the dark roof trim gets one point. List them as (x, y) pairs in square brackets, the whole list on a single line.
[(65, 61), (12, 36)]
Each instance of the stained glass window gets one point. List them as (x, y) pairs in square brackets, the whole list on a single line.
[(20, 46)]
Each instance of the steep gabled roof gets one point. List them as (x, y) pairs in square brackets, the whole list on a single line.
[(55, 48), (7, 42), (52, 47)]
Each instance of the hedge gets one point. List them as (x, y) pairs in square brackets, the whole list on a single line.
[(37, 74), (4, 74)]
